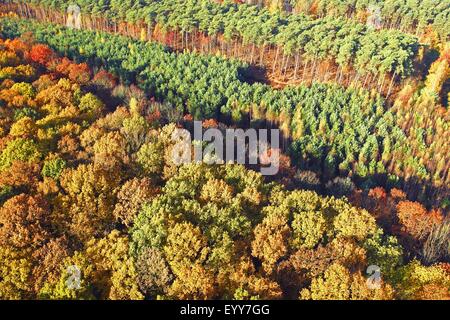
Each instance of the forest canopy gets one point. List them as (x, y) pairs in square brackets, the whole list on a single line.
[(93, 205)]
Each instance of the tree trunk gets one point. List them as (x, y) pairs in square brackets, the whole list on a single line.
[(391, 84), (297, 58), (382, 84), (276, 59), (252, 53), (261, 57), (304, 70)]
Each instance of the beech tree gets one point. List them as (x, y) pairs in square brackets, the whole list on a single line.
[(19, 150), (131, 197), (416, 220), (421, 282), (89, 191), (41, 54), (15, 274), (154, 275), (270, 243), (89, 199), (113, 270), (339, 284), (24, 222)]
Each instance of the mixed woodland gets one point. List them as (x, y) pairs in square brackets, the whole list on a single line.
[(87, 177)]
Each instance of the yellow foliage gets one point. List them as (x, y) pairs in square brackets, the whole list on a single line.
[(355, 223), (309, 228), (415, 280), (271, 240), (439, 73), (185, 245), (15, 271), (24, 127), (339, 284), (109, 256), (218, 191)]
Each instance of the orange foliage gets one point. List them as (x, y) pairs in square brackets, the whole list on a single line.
[(433, 292), (21, 175), (416, 220), (188, 118), (41, 54), (211, 123), (79, 73), (398, 194), (17, 46), (63, 65)]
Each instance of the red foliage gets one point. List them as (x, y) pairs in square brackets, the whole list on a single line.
[(105, 79), (41, 54), (169, 38)]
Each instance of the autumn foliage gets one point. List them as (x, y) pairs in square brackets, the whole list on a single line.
[(41, 54), (87, 181)]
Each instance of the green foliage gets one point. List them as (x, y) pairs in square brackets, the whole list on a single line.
[(19, 150), (335, 128), (53, 168), (414, 16), (25, 112), (91, 105), (326, 37), (5, 193), (309, 228)]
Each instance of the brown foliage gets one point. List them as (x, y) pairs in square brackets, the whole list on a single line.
[(21, 175), (131, 197), (48, 260), (24, 222), (271, 241), (153, 273)]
